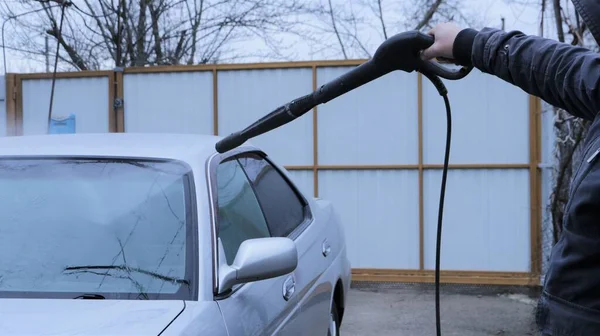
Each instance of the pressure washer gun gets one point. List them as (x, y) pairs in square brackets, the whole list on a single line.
[(400, 52)]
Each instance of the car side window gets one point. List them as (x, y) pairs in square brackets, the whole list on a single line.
[(239, 215), (282, 206)]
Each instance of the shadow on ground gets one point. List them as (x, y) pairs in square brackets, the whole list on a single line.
[(410, 311)]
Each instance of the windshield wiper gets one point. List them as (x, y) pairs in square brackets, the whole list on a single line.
[(90, 297), (129, 269)]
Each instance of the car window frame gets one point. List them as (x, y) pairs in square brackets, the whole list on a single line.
[(211, 179), (307, 214), (234, 158)]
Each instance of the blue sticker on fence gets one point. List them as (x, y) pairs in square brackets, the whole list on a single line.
[(62, 125)]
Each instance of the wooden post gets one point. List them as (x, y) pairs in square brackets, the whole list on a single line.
[(112, 114), (534, 184), (315, 138), (119, 108), (11, 104), (420, 167), (215, 101)]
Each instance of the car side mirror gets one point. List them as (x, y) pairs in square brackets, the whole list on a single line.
[(257, 259)]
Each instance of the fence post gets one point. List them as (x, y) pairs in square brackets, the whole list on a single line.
[(215, 74), (421, 172), (11, 100), (315, 125), (535, 184), (117, 101)]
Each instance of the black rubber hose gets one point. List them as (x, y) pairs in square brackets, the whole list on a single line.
[(440, 216), (439, 85)]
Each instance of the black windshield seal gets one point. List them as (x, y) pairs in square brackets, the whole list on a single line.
[(189, 285)]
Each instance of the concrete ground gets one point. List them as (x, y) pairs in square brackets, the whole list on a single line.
[(410, 310)]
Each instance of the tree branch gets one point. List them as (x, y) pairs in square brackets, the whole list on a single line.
[(558, 20), (385, 36), (335, 29), (428, 15)]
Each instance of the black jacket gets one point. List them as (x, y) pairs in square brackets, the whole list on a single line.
[(568, 77)]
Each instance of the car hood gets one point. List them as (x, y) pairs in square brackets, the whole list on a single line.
[(29, 317)]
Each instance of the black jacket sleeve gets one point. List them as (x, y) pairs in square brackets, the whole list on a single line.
[(563, 75)]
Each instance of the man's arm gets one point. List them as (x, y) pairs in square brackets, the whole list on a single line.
[(565, 76)]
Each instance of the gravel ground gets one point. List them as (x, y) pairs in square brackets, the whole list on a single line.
[(410, 310)]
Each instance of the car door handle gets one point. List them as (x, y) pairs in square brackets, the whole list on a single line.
[(289, 287), (326, 248)]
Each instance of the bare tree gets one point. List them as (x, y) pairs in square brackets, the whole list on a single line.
[(102, 33), (570, 131), (558, 20), (353, 29)]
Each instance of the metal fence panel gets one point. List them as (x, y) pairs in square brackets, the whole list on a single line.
[(375, 124), (247, 95), (87, 98), (490, 121), (380, 213), (486, 220), (304, 180), (180, 102)]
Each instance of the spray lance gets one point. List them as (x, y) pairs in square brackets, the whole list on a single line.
[(399, 52)]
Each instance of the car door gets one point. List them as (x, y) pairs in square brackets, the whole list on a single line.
[(256, 308), (288, 215)]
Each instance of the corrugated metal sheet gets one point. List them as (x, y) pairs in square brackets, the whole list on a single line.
[(380, 213), (304, 180), (247, 95), (180, 102), (2, 105), (490, 121), (87, 98), (374, 124), (486, 213), (486, 220)]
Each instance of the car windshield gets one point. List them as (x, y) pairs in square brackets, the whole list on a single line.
[(118, 228)]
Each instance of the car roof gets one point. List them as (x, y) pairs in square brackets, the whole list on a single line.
[(141, 145)]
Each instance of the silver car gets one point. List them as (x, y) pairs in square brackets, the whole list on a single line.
[(158, 234)]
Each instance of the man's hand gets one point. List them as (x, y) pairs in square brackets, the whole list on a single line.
[(444, 34)]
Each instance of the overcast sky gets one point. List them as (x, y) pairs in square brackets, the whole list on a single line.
[(517, 16), (520, 17)]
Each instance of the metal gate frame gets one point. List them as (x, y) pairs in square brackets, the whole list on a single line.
[(421, 275), (14, 96)]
